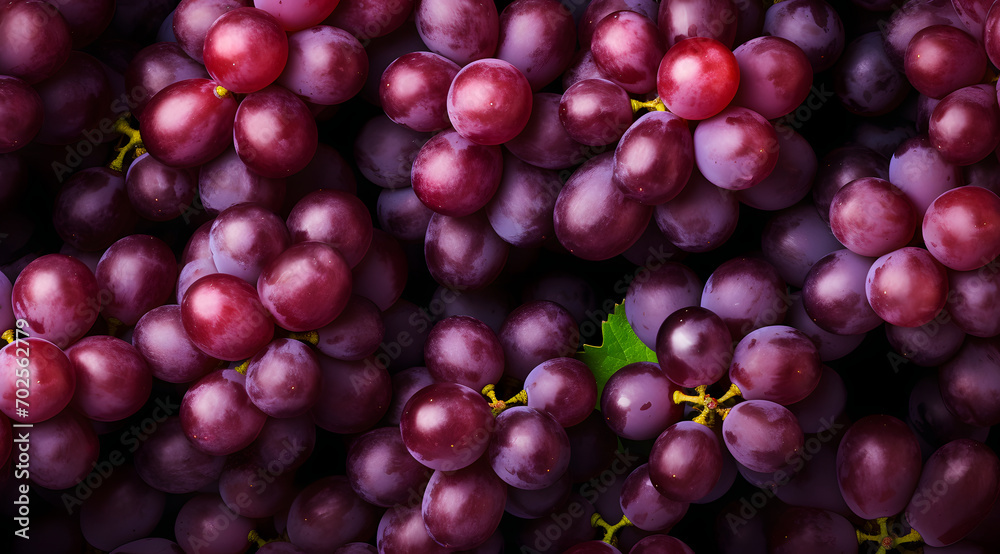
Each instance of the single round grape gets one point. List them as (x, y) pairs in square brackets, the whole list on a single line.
[(638, 401), (686, 461), (363, 390), (544, 141), (965, 125), (461, 30), (159, 192), (865, 80), (775, 76), (206, 520), (326, 65), (593, 219), (255, 491), (446, 426), (595, 112), (414, 90), (355, 333), (698, 77), (834, 297), (841, 166), (246, 238), (962, 228), (47, 370), (57, 297), (520, 210), (776, 363), (464, 350), (538, 37), (124, 508), (381, 275), (64, 450), (380, 469), (442, 169), (274, 132), (701, 218), (694, 347), (970, 381), (489, 101), (792, 177), (139, 272), (402, 529), (464, 252), (878, 465), (747, 293), (305, 287), (192, 19), (529, 449), (217, 414), (813, 25), (564, 388), (922, 173), (801, 528), (92, 209), (736, 148), (907, 287), (112, 380), (628, 48), (224, 318), (597, 10), (245, 49), (462, 508), (871, 217), (762, 435), (294, 17), (958, 484), (653, 160), (21, 111), (156, 66), (645, 506), (282, 380), (36, 40), (188, 123), (682, 19), (226, 181), (940, 59), (168, 461), (974, 303)]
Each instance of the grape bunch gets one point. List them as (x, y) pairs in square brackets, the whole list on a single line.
[(533, 276)]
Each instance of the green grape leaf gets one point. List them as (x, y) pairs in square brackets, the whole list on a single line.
[(620, 347)]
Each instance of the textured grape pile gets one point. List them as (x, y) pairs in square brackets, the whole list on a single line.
[(531, 276)]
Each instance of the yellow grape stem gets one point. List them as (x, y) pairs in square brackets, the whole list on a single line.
[(498, 406), (710, 410), (610, 531), (8, 336), (134, 142), (654, 105)]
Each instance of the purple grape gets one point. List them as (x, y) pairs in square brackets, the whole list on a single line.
[(462, 349), (282, 380), (139, 272), (520, 210), (188, 123), (92, 209), (957, 486), (217, 414), (441, 171), (686, 462), (563, 388), (694, 347), (970, 382), (596, 10), (775, 76), (699, 76), (919, 170), (462, 508), (283, 444), (595, 112), (544, 141), (645, 506), (446, 426), (401, 214), (464, 252), (833, 294), (940, 59), (363, 391), (241, 35), (801, 529), (871, 217), (974, 300), (171, 463), (776, 363), (74, 99), (794, 239), (192, 18), (825, 404), (593, 219), (461, 30), (402, 530), (58, 298), (404, 385), (246, 238), (878, 465), (156, 66), (865, 80), (385, 152), (295, 17), (489, 101), (224, 318), (682, 19), (226, 181), (123, 509), (952, 132), (21, 111), (791, 179), (64, 450), (533, 504), (637, 401), (328, 514), (736, 148), (762, 435), (538, 37), (930, 344), (355, 334), (112, 379), (36, 41), (159, 192), (367, 20), (658, 180), (382, 472), (305, 287), (841, 166), (206, 524), (701, 218), (813, 25), (326, 65), (962, 228), (256, 491), (628, 48), (529, 449), (907, 287), (535, 332), (414, 90), (747, 293), (274, 133)]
